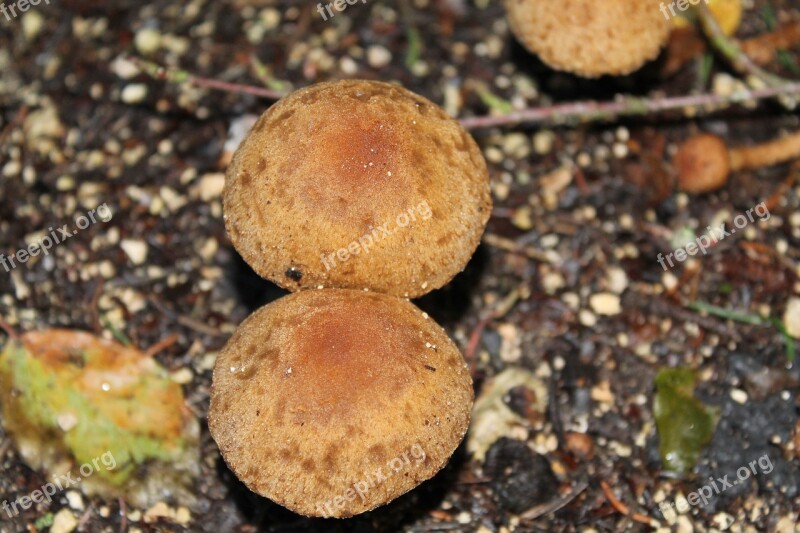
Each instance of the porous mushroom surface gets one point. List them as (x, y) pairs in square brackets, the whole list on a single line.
[(333, 402), (590, 38), (357, 184)]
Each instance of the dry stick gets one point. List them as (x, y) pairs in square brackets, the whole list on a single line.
[(587, 111), (182, 76), (628, 106), (622, 508), (161, 345), (731, 50), (8, 329), (763, 48)]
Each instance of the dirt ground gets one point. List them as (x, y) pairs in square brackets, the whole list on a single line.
[(566, 289)]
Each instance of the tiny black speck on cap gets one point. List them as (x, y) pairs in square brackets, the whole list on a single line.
[(294, 274)]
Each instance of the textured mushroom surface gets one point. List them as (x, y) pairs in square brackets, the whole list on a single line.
[(587, 37), (334, 402), (357, 184)]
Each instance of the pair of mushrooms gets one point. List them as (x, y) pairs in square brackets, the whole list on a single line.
[(332, 402)]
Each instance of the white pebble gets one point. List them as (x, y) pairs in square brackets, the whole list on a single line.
[(378, 56), (134, 93), (135, 249), (64, 522), (605, 303), (791, 318), (147, 41)]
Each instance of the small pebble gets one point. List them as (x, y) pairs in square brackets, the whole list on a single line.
[(147, 41), (75, 500), (32, 25), (587, 318), (543, 142), (739, 396), (64, 522), (135, 249), (516, 145), (134, 93), (605, 303), (791, 318), (378, 56)]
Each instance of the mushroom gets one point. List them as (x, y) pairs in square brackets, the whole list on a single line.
[(704, 162), (357, 184), (587, 38), (333, 402)]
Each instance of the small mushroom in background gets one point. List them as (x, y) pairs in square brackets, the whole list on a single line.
[(357, 184), (704, 162), (333, 402), (588, 38), (728, 14)]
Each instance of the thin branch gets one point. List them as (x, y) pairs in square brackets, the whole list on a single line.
[(178, 76), (4, 326), (731, 50), (573, 112), (591, 111)]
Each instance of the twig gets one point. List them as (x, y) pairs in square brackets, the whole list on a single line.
[(774, 200), (511, 246), (627, 106), (18, 118), (623, 509), (161, 345), (8, 329), (123, 513), (186, 321), (174, 75), (763, 49), (578, 112), (474, 339), (731, 50), (85, 518), (553, 505), (498, 311)]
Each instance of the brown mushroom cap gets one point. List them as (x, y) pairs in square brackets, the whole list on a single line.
[(357, 184), (703, 164), (587, 37), (322, 393)]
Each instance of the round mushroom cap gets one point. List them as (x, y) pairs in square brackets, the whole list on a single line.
[(590, 38), (333, 402), (357, 184), (703, 164)]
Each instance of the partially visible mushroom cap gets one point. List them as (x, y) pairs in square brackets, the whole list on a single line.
[(587, 37), (357, 184), (334, 402), (703, 164)]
